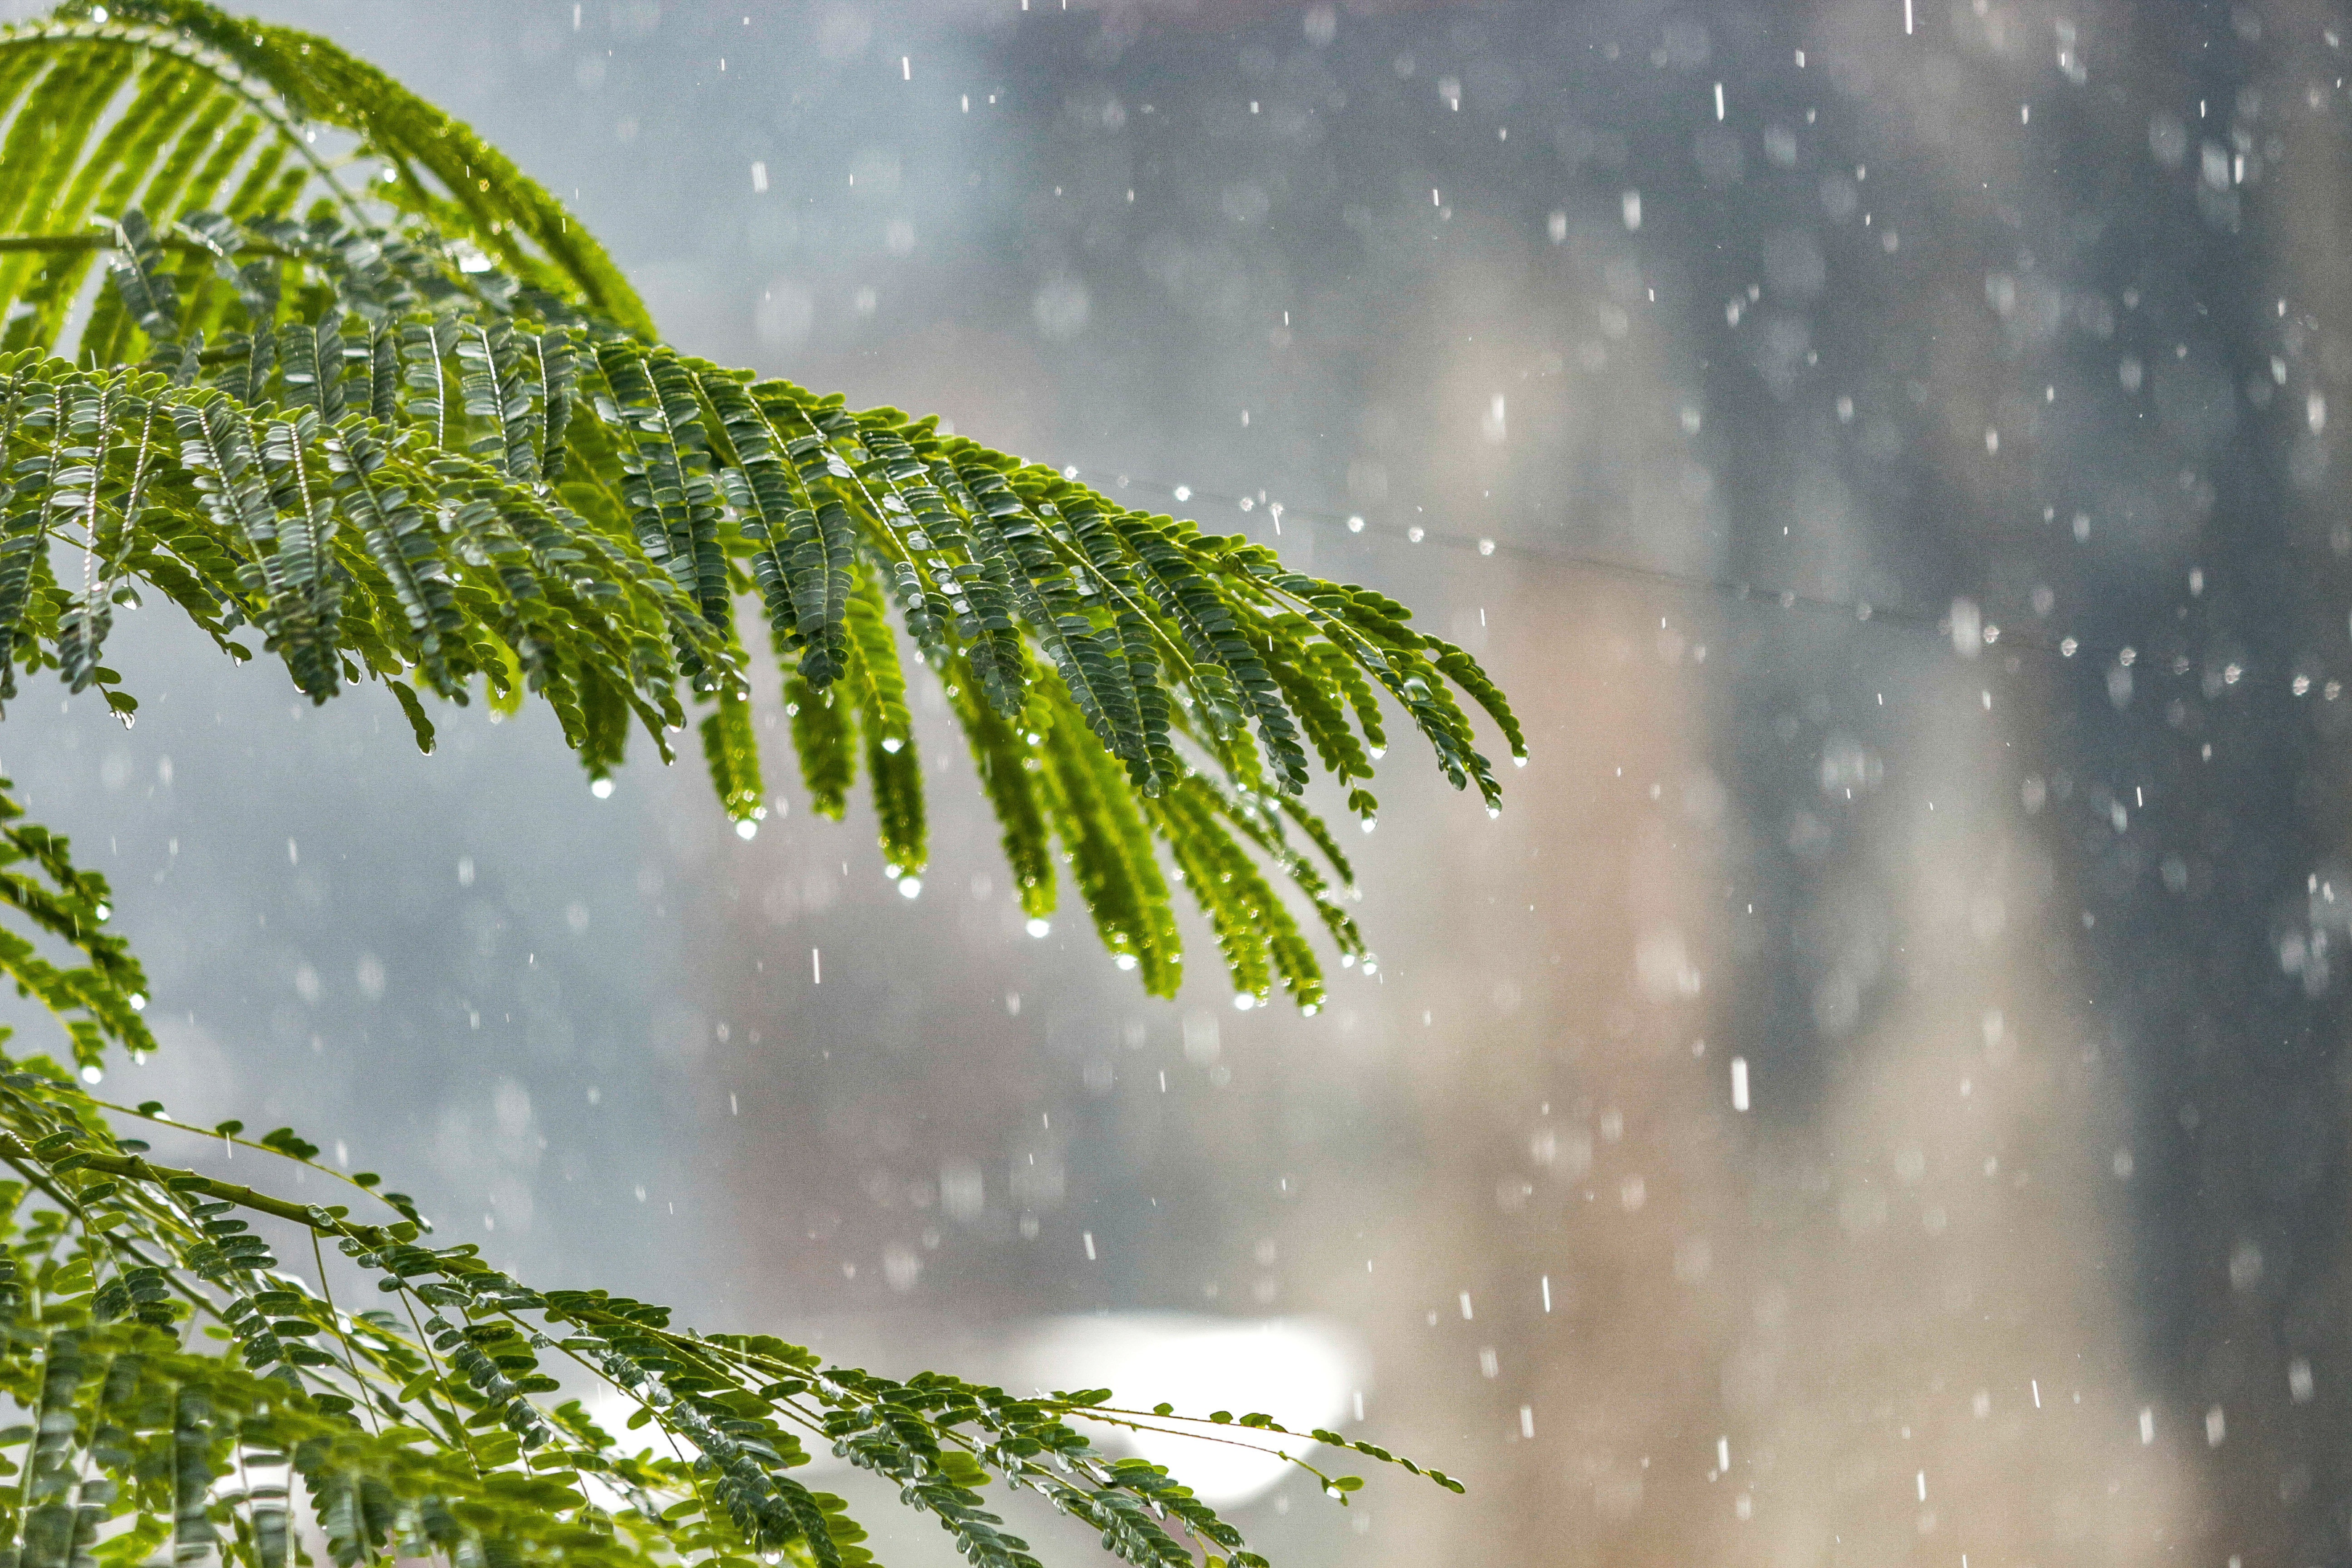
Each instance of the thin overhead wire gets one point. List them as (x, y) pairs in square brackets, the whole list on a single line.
[(1940, 623)]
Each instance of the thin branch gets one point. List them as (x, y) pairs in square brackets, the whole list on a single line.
[(133, 1168), (101, 240)]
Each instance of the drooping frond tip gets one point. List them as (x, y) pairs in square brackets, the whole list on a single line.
[(409, 426)]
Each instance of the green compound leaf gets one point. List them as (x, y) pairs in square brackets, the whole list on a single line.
[(359, 432), (292, 351)]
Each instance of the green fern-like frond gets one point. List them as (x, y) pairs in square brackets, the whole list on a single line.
[(347, 378), (289, 349)]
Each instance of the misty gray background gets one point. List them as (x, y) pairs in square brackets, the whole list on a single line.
[(2029, 1244)]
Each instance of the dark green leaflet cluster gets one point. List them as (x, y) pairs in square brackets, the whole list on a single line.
[(99, 993), (368, 487), (410, 427), (1156, 635), (357, 551), (190, 1388)]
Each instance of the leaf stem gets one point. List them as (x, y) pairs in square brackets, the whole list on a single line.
[(134, 1168)]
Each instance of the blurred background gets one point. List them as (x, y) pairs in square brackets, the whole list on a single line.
[(1879, 1091)]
